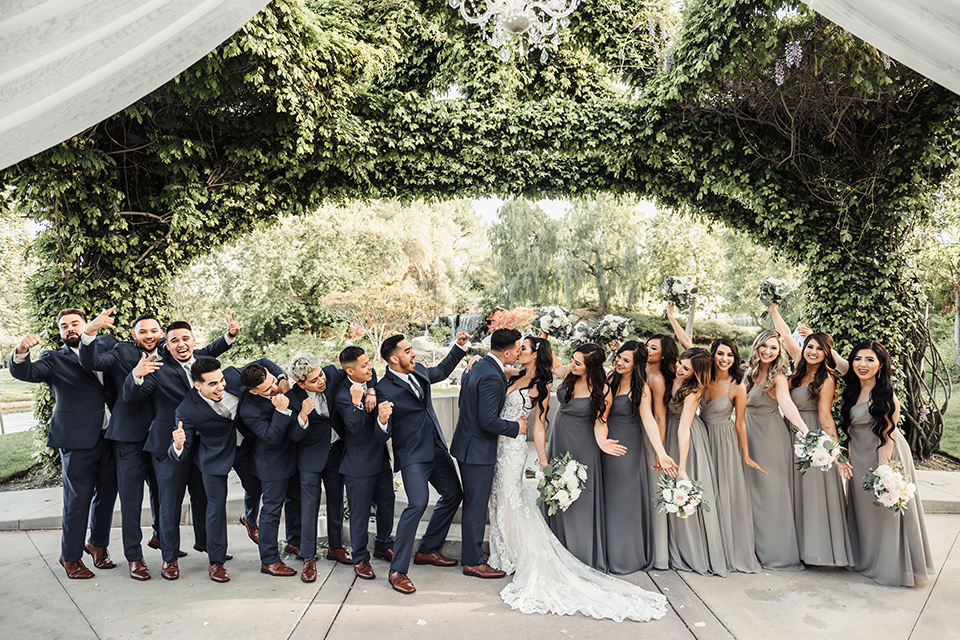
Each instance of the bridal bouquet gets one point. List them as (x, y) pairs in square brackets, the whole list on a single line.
[(890, 485), (678, 290), (581, 333), (611, 328), (817, 449), (774, 290), (555, 322), (561, 484), (682, 498)]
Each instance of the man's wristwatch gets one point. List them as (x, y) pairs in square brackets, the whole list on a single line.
[(371, 391)]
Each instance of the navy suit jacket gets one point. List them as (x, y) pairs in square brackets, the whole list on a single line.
[(80, 397), (313, 443), (414, 425), (274, 454), (365, 443), (483, 392), (129, 421)]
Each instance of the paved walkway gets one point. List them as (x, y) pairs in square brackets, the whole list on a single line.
[(18, 421)]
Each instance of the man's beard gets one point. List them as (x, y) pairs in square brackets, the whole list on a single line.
[(72, 341)]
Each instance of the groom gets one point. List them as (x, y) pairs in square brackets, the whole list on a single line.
[(483, 392)]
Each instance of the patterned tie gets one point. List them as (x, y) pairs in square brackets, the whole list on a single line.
[(416, 386)]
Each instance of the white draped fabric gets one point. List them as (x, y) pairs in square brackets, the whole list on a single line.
[(67, 64), (922, 34)]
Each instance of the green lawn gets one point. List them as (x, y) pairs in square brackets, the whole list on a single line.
[(951, 426), (14, 390), (16, 453)]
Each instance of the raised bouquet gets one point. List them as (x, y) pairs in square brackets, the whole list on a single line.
[(581, 333), (611, 327), (682, 498), (554, 321), (890, 485), (678, 290), (774, 290), (818, 450), (561, 482)]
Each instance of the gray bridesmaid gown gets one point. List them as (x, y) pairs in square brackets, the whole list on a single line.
[(733, 509), (658, 556), (581, 527), (889, 549), (625, 492), (695, 543), (771, 446), (820, 507)]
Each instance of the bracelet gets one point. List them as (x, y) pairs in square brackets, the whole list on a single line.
[(541, 451)]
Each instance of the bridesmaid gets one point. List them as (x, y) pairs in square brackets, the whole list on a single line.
[(627, 495), (888, 548), (695, 543), (820, 507), (583, 409), (771, 445)]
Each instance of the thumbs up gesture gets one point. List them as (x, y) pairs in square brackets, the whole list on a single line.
[(179, 437)]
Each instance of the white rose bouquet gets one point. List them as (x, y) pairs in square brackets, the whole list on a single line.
[(679, 290), (682, 498), (561, 484), (890, 485), (818, 450), (611, 328), (581, 333), (554, 321)]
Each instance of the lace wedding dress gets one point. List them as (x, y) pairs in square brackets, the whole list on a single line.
[(546, 577)]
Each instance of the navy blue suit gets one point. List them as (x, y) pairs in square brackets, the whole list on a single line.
[(366, 474), (76, 429), (420, 453), (483, 392)]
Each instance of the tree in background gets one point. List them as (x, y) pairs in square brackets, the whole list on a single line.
[(524, 242)]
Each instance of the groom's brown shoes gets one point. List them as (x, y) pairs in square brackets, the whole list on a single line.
[(483, 571), (434, 558), (400, 582)]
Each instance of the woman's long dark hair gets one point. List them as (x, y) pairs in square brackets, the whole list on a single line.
[(697, 382), (593, 357), (542, 374), (668, 362), (736, 371), (826, 369), (638, 379), (881, 404)]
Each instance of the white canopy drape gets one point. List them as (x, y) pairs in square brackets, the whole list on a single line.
[(67, 64)]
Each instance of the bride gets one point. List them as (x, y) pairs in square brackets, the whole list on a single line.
[(546, 577)]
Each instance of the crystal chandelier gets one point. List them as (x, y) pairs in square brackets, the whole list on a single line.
[(510, 20)]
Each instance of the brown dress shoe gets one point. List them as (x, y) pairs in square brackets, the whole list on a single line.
[(138, 570), (202, 548), (309, 573), (277, 569), (252, 531), (384, 555), (294, 551), (483, 571), (340, 555), (400, 582), (101, 559), (434, 558), (364, 570), (76, 570), (155, 544), (218, 573), (170, 571)]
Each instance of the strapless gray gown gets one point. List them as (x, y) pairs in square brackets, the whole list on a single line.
[(890, 549), (771, 446), (733, 508), (820, 507)]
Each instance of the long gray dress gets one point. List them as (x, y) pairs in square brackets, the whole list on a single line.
[(820, 507), (771, 495), (625, 492), (733, 509), (695, 543), (581, 527), (890, 549), (658, 556)]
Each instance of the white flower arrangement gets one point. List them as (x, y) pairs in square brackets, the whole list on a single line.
[(554, 321), (561, 483), (682, 498), (890, 486), (610, 328), (581, 333), (679, 290), (818, 450), (774, 290)]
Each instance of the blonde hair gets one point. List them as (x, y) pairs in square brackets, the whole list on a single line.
[(779, 366)]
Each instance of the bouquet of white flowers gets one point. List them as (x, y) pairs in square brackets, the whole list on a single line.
[(682, 498), (561, 482), (678, 290), (610, 328), (890, 485), (554, 321), (817, 449), (774, 290), (581, 333)]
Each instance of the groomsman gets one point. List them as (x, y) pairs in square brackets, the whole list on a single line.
[(420, 453), (80, 417), (167, 382), (130, 421), (366, 462)]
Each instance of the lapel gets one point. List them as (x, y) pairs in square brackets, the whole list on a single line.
[(406, 387), (74, 361), (498, 371), (203, 407)]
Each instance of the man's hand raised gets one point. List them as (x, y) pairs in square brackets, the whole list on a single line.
[(28, 343), (280, 402), (104, 319), (179, 437), (146, 365), (233, 327)]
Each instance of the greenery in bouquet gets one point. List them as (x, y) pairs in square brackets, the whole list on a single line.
[(581, 333), (774, 290), (554, 321), (561, 482), (682, 498), (890, 486), (611, 328), (679, 290), (818, 450)]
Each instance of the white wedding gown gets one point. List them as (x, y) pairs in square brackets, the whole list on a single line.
[(546, 577)]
